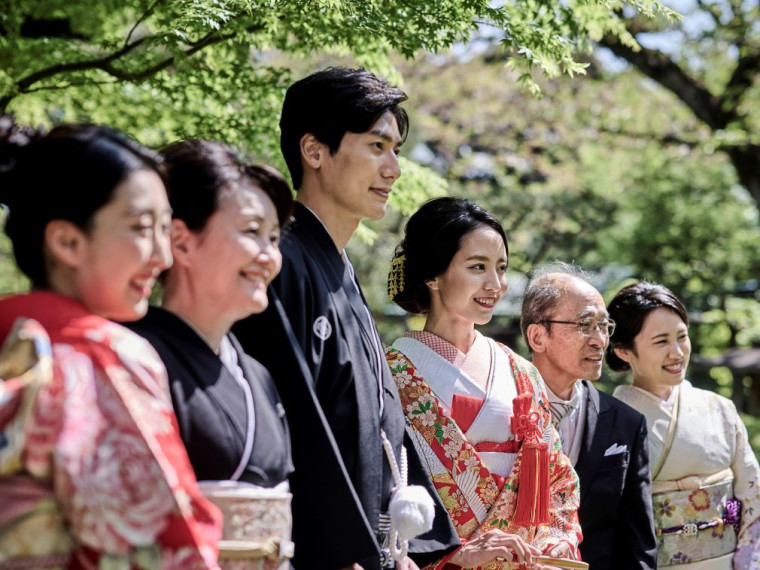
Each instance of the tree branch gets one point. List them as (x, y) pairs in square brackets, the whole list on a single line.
[(22, 85), (714, 10), (666, 139), (742, 79), (69, 84), (140, 20), (106, 63), (737, 7), (209, 39), (658, 66)]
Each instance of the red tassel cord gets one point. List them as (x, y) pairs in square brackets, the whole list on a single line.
[(533, 491)]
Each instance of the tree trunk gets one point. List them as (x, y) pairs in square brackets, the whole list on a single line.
[(746, 161)]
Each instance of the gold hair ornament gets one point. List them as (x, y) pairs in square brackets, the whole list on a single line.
[(396, 276)]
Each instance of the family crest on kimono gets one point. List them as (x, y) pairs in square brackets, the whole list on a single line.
[(341, 130), (704, 474), (93, 473), (510, 492), (566, 327)]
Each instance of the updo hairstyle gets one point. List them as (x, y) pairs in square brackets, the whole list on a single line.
[(630, 309), (432, 237), (202, 171), (67, 174)]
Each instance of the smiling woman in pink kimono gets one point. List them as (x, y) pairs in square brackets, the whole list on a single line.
[(476, 411), (93, 473), (704, 474)]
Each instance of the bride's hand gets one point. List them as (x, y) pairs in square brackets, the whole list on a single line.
[(494, 545), (560, 550)]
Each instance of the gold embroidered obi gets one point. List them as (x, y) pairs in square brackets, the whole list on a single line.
[(695, 524)]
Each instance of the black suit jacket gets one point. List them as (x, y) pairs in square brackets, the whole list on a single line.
[(616, 490)]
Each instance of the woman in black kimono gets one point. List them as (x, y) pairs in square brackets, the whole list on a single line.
[(226, 225)]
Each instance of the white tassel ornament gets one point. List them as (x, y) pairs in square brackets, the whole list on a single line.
[(411, 508)]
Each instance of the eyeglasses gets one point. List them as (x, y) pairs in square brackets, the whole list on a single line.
[(607, 328)]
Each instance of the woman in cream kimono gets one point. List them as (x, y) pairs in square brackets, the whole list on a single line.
[(704, 474), (476, 411)]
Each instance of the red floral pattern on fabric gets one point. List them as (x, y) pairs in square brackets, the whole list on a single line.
[(499, 496), (103, 435)]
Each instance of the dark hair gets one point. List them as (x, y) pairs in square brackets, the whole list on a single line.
[(543, 294), (330, 103), (432, 237), (630, 308), (201, 171), (67, 174)]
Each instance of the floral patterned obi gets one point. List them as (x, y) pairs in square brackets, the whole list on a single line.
[(695, 524)]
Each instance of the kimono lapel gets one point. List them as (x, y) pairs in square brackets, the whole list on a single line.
[(500, 392), (209, 372), (348, 301), (672, 428), (358, 305), (442, 376), (445, 379), (271, 428), (372, 468), (261, 391)]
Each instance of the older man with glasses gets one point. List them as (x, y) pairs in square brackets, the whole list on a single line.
[(567, 329)]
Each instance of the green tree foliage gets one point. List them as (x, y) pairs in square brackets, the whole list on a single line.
[(163, 69), (711, 62), (168, 69), (595, 173)]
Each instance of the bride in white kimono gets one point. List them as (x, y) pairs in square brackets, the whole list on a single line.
[(476, 411), (704, 474)]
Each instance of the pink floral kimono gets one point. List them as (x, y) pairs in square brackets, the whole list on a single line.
[(93, 473)]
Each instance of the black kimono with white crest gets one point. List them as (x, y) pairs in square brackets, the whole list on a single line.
[(335, 517)]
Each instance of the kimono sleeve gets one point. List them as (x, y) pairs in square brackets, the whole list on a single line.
[(746, 476), (122, 475)]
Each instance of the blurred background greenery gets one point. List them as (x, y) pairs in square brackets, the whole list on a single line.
[(616, 136)]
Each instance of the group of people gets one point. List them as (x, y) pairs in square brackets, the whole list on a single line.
[(262, 364)]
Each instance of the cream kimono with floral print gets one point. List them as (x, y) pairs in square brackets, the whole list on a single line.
[(701, 459)]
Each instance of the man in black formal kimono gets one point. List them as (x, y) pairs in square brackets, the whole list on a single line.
[(341, 131), (566, 325)]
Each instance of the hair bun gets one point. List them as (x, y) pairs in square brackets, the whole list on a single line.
[(13, 139)]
